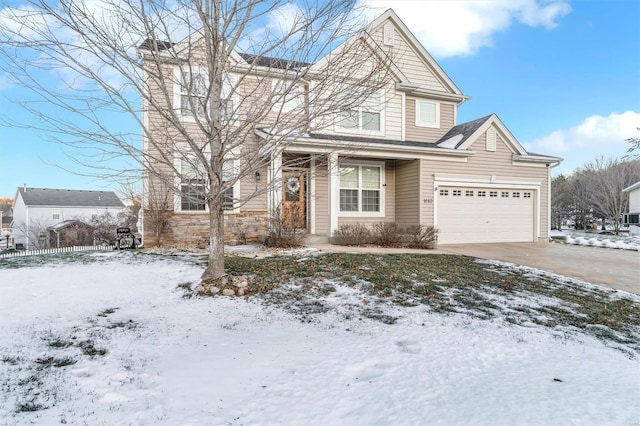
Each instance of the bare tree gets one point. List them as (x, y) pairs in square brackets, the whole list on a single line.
[(229, 85), (35, 232), (633, 152), (606, 180), (561, 200)]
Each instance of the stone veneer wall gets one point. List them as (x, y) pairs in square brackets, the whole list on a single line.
[(193, 229)]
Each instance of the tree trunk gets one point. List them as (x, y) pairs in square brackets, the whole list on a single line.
[(215, 270)]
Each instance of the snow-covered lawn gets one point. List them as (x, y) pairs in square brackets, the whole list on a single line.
[(176, 360), (596, 239)]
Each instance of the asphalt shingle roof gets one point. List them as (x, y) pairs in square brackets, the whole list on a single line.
[(69, 197), (465, 129)]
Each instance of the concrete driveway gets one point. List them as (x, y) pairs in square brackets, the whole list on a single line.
[(619, 269)]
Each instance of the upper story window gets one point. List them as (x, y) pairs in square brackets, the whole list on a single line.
[(427, 114), (190, 95), (361, 188), (56, 214), (367, 118), (193, 92)]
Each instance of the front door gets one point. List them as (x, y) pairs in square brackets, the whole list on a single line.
[(293, 198)]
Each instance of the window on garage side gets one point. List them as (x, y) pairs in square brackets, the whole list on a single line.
[(360, 188)]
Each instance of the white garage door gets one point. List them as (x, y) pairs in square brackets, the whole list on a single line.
[(484, 215)]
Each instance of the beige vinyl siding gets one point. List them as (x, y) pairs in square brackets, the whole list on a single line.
[(322, 200), (393, 115), (404, 56), (389, 188), (408, 192), (428, 134), (485, 163)]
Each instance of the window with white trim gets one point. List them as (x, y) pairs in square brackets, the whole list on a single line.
[(56, 214), (427, 114), (192, 94), (192, 185), (360, 188), (230, 195), (368, 117), (191, 91)]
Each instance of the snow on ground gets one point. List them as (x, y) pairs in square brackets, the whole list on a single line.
[(176, 361), (594, 239)]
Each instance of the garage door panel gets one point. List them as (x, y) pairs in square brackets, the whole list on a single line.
[(466, 217)]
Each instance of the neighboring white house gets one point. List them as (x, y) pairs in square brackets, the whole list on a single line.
[(36, 209), (632, 218)]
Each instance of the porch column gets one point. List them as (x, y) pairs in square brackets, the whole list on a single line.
[(311, 195), (275, 183), (334, 192)]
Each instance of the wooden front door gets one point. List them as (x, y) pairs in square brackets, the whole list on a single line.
[(293, 199)]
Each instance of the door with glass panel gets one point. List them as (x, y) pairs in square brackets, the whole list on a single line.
[(293, 199)]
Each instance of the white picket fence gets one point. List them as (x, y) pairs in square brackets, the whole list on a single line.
[(55, 250)]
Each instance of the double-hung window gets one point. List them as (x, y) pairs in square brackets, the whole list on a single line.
[(229, 172), (192, 185), (360, 188), (193, 92), (368, 117), (427, 114)]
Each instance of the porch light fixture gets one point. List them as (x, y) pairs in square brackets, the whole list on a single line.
[(257, 175)]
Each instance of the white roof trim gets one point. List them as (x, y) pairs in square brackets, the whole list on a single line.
[(632, 187), (511, 141)]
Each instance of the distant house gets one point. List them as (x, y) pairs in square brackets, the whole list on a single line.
[(632, 218), (35, 210)]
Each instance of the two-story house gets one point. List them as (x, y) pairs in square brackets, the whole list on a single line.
[(37, 209), (399, 156)]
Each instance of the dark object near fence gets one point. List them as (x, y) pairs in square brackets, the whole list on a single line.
[(125, 239)]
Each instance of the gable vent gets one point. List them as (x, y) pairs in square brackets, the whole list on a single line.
[(491, 139), (389, 37)]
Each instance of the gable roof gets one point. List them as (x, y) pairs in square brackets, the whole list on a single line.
[(68, 197), (461, 133)]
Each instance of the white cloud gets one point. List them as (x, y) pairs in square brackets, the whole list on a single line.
[(596, 134), (459, 28)]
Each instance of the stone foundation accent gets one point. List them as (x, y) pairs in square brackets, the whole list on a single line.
[(192, 229)]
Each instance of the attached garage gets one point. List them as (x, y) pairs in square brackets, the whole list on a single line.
[(485, 214)]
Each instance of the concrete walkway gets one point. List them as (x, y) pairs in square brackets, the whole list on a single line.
[(619, 269)]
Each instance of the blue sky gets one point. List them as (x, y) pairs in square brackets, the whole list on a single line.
[(564, 76)]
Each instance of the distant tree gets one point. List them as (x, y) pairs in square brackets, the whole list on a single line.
[(561, 200), (607, 178), (633, 152), (133, 202), (36, 232)]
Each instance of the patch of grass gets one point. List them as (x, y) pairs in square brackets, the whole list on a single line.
[(30, 406), (107, 311), (187, 290), (55, 362), (446, 283), (11, 360), (129, 325), (88, 348)]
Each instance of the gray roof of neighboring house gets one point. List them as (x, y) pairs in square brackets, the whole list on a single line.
[(69, 197), (465, 129)]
